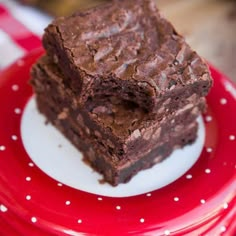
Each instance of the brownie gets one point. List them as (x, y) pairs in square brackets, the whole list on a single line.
[(129, 50), (119, 129), (47, 68), (122, 85), (117, 171)]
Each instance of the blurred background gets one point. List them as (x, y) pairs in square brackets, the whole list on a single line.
[(208, 25)]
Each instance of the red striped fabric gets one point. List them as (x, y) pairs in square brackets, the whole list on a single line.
[(17, 31)]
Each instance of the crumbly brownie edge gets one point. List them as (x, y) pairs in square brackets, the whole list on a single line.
[(140, 93), (123, 173), (94, 135), (145, 139), (144, 92)]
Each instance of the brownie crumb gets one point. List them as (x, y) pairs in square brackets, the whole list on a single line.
[(102, 181)]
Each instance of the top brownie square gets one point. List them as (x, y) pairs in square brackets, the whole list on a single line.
[(126, 49)]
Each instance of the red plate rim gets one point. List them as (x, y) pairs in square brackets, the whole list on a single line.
[(203, 200)]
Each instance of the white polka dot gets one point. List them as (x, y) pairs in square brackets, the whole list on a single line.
[(14, 137), (189, 176), (28, 197), (15, 87), (59, 184), (31, 164), (209, 149), (148, 194), (34, 219), (20, 62), (203, 201), (2, 148), (99, 199), (142, 220), (17, 110), (222, 228), (231, 137), (118, 207), (176, 199), (3, 208), (207, 171), (167, 232), (67, 203), (79, 221), (28, 178), (225, 205), (208, 118), (223, 101)]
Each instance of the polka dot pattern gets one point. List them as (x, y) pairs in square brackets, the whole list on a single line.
[(209, 149), (142, 220), (2, 148), (14, 137), (189, 176), (33, 219), (17, 110), (223, 101), (176, 199), (222, 228), (28, 178), (167, 232), (117, 206), (208, 118), (225, 205), (3, 208), (67, 203), (203, 201), (31, 164), (15, 87)]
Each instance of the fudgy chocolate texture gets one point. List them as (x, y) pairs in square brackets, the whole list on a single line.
[(116, 171), (46, 68), (126, 49), (120, 129)]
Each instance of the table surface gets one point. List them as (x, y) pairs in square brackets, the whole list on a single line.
[(209, 27)]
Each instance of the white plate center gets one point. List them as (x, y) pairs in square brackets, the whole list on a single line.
[(59, 159)]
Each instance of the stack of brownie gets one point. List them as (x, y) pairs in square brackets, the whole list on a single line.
[(122, 85)]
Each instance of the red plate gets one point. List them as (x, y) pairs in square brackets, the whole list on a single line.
[(200, 202)]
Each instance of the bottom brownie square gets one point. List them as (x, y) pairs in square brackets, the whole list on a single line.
[(117, 138), (117, 171)]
